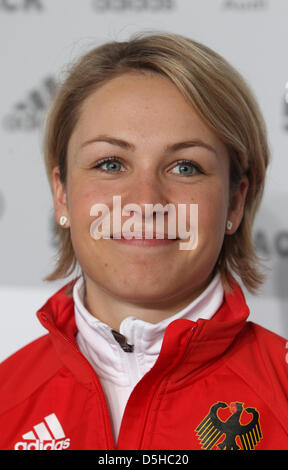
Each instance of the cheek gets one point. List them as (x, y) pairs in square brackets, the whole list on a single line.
[(80, 210), (83, 195), (212, 212)]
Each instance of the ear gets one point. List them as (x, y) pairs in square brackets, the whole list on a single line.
[(59, 197), (237, 205)]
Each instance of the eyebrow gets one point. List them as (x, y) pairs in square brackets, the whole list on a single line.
[(169, 148)]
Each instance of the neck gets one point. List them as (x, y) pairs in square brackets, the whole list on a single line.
[(113, 310)]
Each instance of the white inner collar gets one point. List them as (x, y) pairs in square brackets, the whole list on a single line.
[(97, 343)]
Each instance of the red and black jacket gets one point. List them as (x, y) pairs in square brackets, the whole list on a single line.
[(217, 384)]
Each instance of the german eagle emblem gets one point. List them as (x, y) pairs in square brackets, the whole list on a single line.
[(212, 428)]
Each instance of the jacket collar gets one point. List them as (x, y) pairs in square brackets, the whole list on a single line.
[(188, 345)]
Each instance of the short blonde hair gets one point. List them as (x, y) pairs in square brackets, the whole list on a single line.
[(220, 96)]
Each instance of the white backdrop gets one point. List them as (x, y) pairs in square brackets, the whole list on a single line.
[(38, 38)]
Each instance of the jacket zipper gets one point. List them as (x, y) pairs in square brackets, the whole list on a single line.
[(157, 386)]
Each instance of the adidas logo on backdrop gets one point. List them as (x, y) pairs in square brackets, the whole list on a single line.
[(47, 435)]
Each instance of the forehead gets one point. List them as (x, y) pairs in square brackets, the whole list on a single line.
[(143, 106), (137, 94)]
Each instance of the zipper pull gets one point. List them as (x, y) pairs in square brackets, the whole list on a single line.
[(122, 341)]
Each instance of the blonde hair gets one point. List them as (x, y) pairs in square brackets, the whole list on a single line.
[(216, 91)]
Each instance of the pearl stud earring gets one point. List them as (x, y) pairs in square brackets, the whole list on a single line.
[(229, 225), (63, 220)]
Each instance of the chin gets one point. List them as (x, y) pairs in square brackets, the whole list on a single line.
[(150, 292), (140, 292)]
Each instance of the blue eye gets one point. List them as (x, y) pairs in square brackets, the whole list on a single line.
[(186, 168), (112, 165)]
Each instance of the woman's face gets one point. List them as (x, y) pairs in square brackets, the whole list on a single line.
[(147, 115)]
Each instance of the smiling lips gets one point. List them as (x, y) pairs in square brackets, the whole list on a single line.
[(139, 239), (141, 235), (146, 243)]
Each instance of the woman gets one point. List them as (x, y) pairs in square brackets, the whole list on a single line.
[(149, 348)]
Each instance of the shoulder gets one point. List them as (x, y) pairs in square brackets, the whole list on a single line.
[(26, 370), (265, 345), (272, 351), (268, 340), (260, 358)]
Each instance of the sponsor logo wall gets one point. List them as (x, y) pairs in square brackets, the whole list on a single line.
[(38, 39), (10, 6)]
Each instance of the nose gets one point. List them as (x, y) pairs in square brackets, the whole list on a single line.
[(145, 198), (145, 189)]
